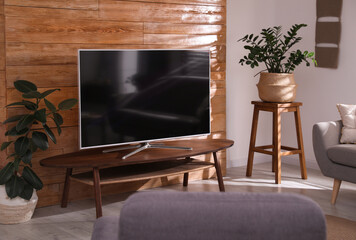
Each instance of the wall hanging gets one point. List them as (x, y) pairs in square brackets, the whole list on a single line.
[(328, 32)]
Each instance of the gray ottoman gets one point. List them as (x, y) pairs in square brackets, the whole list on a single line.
[(183, 215)]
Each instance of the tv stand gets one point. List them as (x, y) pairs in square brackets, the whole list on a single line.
[(110, 168), (144, 146)]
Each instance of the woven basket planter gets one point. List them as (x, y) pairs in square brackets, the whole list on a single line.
[(277, 87), (16, 210)]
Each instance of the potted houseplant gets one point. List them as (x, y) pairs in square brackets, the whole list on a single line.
[(27, 133), (272, 48)]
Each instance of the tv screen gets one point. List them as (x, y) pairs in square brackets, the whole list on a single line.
[(129, 96)]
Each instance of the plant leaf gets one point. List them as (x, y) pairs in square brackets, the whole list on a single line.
[(13, 132), (32, 94), (50, 133), (24, 122), (4, 145), (14, 187), (31, 177), (29, 105), (50, 106), (27, 157), (40, 115), (58, 118), (11, 155), (40, 140), (67, 104), (6, 173), (33, 146), (21, 145), (59, 130), (27, 191), (14, 118), (48, 92), (17, 163), (25, 86)]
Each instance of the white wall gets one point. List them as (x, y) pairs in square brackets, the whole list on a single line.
[(318, 88), (244, 17)]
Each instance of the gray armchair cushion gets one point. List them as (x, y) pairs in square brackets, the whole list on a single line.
[(344, 154)]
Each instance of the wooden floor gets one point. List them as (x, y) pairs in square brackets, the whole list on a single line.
[(76, 221)]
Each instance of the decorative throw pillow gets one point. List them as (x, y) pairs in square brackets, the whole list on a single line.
[(348, 117)]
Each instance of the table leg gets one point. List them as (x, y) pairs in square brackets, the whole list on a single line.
[(97, 192), (185, 179), (66, 188), (218, 173), (277, 144), (252, 142), (298, 125)]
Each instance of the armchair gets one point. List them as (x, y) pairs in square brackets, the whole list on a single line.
[(335, 160)]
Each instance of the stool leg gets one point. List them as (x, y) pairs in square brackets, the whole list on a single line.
[(274, 163), (252, 142), (298, 126), (277, 144)]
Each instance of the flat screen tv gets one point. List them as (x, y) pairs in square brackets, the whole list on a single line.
[(139, 96)]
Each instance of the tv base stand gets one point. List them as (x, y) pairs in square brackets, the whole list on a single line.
[(110, 168), (144, 146)]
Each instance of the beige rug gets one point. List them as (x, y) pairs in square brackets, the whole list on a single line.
[(340, 228)]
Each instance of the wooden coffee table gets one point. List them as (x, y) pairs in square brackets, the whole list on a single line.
[(109, 168)]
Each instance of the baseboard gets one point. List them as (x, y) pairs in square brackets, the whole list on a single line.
[(311, 163), (240, 162), (294, 160)]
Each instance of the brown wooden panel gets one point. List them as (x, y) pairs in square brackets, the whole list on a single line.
[(218, 52), (217, 92), (38, 30), (215, 84), (2, 97), (2, 42), (218, 122), (49, 195), (176, 28), (43, 75), (218, 76), (218, 104), (2, 56), (66, 92), (1, 7), (15, 11), (160, 12), (180, 39), (196, 2), (2, 27), (73, 4), (19, 54), (217, 66)]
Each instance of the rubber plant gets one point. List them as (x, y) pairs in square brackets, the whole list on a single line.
[(28, 133), (271, 47)]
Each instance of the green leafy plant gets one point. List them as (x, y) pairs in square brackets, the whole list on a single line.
[(271, 48), (29, 132)]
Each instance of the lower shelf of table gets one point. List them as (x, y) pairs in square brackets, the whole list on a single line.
[(143, 171)]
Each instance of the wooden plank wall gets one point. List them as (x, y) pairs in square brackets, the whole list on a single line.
[(39, 41)]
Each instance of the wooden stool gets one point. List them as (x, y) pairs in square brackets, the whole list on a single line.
[(277, 109)]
